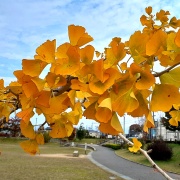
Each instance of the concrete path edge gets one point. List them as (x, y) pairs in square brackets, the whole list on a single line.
[(107, 169)]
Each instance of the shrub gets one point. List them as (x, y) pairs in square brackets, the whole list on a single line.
[(160, 150), (112, 146), (47, 137)]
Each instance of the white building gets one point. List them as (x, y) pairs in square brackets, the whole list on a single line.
[(163, 133)]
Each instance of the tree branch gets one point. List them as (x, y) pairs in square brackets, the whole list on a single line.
[(145, 153), (166, 70)]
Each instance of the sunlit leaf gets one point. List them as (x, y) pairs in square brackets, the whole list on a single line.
[(54, 81), (46, 51), (143, 105), (57, 104), (78, 36), (137, 46), (61, 129), (27, 129), (68, 65), (90, 111), (97, 86), (26, 114), (5, 110), (87, 54), (145, 79), (30, 89), (1, 83), (149, 123), (164, 96), (125, 103), (40, 138), (112, 127), (171, 77), (40, 83), (44, 98), (15, 87), (157, 41), (30, 146), (115, 123), (136, 147), (115, 53), (148, 10), (33, 67)]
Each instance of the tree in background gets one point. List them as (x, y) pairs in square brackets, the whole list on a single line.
[(135, 129), (80, 133), (12, 127)]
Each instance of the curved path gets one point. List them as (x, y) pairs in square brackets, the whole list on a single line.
[(108, 160)]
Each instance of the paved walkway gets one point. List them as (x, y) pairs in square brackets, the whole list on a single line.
[(108, 160)]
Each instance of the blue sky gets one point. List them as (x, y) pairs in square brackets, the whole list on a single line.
[(26, 24)]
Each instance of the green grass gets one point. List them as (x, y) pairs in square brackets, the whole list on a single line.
[(172, 165), (17, 165)]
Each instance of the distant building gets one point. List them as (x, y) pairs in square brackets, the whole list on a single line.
[(94, 133), (163, 133)]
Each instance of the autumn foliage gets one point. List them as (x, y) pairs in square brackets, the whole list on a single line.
[(101, 86)]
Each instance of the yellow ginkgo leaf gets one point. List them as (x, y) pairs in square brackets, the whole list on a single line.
[(136, 147), (61, 129), (87, 54), (115, 123), (142, 108), (112, 127), (172, 77), (55, 81), (164, 96), (5, 110), (62, 99), (90, 111), (175, 118), (40, 138), (62, 50), (145, 79), (78, 36), (125, 103), (68, 66), (46, 51), (149, 123), (115, 53), (30, 146), (26, 114), (157, 41), (103, 114), (148, 10), (27, 129), (40, 83), (30, 89), (44, 98), (77, 85), (15, 87), (33, 67), (137, 45), (1, 83), (99, 87)]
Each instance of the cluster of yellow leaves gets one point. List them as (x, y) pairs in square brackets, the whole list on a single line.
[(107, 88)]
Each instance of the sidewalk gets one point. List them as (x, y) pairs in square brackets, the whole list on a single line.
[(108, 160)]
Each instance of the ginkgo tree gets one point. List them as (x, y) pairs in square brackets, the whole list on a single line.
[(102, 86)]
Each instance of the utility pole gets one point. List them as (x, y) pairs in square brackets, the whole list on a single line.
[(124, 124)]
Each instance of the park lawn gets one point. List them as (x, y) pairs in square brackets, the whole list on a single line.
[(172, 165), (17, 165)]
